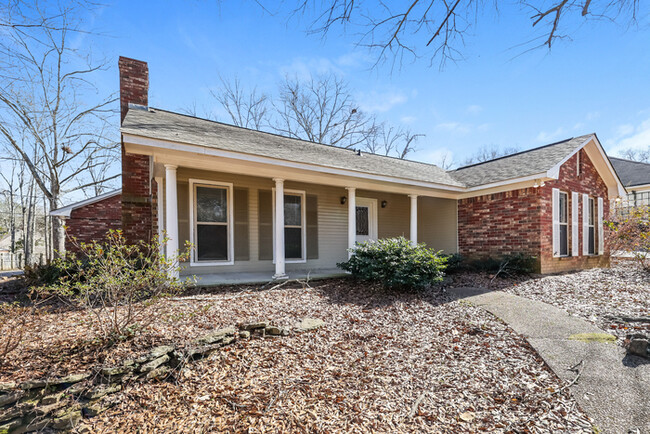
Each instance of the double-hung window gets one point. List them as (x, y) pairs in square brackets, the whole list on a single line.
[(564, 224), (212, 220), (591, 227)]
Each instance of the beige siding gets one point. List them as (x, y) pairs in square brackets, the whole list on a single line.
[(438, 223), (437, 220)]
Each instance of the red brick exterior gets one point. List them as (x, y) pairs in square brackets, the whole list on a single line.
[(137, 194), (521, 220), (92, 222), (588, 182)]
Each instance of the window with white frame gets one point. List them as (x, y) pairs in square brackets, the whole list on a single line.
[(564, 224), (591, 227), (212, 212), (295, 233)]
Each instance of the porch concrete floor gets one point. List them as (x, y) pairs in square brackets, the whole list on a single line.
[(259, 277)]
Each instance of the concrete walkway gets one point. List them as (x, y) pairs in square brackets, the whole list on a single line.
[(614, 389)]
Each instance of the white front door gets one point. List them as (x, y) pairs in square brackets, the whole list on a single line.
[(366, 219)]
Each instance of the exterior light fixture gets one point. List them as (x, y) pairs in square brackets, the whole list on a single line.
[(343, 200), (536, 184), (384, 204), (542, 184)]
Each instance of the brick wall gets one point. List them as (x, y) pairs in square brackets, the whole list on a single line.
[(497, 224), (588, 182), (137, 194), (93, 221), (521, 220)]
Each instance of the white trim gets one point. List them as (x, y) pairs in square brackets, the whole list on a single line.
[(231, 222), (601, 240), (413, 237), (352, 219), (171, 217), (202, 150), (533, 177), (66, 210), (161, 213), (303, 220), (585, 224), (555, 215), (575, 224)]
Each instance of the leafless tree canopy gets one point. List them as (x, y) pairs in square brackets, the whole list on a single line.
[(320, 109), (486, 153), (637, 155), (49, 122), (437, 29)]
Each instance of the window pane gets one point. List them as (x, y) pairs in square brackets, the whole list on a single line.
[(591, 211), (592, 240), (211, 204), (292, 210), (362, 220), (212, 242), (563, 208), (293, 243), (564, 241)]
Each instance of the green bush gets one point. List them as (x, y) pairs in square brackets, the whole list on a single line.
[(119, 283), (455, 263), (396, 263)]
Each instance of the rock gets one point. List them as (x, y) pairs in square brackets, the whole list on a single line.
[(33, 384), (255, 325), (227, 340), (11, 398), (74, 378), (203, 351), (15, 411), (638, 347), (177, 359), (68, 419), (116, 370), (159, 373), (30, 425), (10, 426), (130, 364), (51, 408), (160, 351), (154, 363), (102, 390), (7, 386), (308, 324), (94, 409), (216, 336), (468, 416), (76, 389), (244, 334), (51, 399), (276, 331)]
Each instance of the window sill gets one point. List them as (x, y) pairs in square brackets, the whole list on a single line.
[(211, 264), (294, 261)]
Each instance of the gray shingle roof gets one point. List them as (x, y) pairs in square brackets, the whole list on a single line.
[(631, 172), (518, 165), (160, 124)]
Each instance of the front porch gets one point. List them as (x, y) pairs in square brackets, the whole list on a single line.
[(260, 277)]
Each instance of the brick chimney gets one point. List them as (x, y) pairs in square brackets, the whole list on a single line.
[(134, 84), (137, 191)]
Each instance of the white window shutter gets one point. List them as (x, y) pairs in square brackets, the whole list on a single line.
[(601, 240), (556, 222), (585, 224), (575, 245)]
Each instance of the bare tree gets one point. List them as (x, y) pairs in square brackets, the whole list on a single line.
[(392, 141), (486, 153), (636, 154), (437, 29), (44, 99), (321, 110), (246, 109)]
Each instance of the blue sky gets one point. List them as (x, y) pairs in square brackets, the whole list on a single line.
[(498, 95)]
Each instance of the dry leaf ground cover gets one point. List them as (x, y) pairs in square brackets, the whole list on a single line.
[(608, 297), (384, 362)]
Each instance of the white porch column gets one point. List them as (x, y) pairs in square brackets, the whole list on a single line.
[(352, 217), (279, 229), (160, 212), (414, 218), (171, 216)]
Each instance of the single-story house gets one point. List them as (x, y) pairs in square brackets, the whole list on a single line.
[(635, 176), (255, 202)]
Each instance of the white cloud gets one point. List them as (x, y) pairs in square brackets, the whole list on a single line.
[(546, 136), (381, 102), (454, 127), (408, 119), (474, 109), (638, 138), (441, 157), (305, 68)]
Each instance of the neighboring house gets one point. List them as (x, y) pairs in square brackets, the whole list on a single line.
[(251, 201), (636, 178)]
